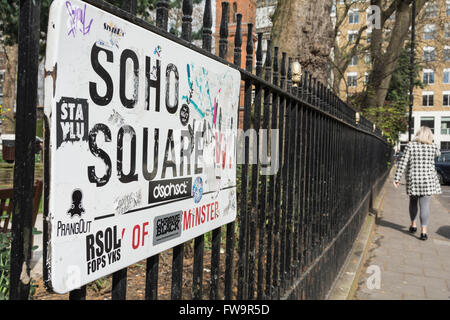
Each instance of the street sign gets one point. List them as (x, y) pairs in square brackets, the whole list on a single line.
[(142, 143)]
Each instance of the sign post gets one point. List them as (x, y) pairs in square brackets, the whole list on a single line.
[(142, 143)]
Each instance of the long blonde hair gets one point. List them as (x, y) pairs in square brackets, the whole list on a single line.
[(424, 135)]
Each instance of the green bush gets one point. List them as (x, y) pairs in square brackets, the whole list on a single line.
[(5, 262), (5, 248)]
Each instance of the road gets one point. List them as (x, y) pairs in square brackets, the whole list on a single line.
[(444, 198)]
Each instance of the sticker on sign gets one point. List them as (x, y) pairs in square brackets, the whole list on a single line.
[(142, 143)]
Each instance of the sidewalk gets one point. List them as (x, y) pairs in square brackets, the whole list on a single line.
[(410, 268), (36, 259)]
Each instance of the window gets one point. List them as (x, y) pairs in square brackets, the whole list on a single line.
[(366, 77), (427, 122), (352, 35), (446, 98), (429, 54), (446, 79), (369, 36), (447, 7), (2, 76), (428, 98), (428, 76), (431, 9), (445, 125), (429, 32), (445, 145), (234, 12), (333, 10), (1, 90), (367, 58), (354, 61), (447, 30), (353, 16), (352, 79), (447, 53)]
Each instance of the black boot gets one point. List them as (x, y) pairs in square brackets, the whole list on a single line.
[(423, 236)]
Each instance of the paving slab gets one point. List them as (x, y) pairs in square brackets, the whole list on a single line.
[(410, 269)]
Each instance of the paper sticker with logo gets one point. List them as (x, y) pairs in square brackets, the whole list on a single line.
[(72, 120), (102, 249), (197, 189), (167, 227), (169, 190), (76, 209)]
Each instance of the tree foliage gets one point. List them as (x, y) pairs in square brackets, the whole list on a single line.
[(392, 117)]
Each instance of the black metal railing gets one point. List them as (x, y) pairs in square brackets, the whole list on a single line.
[(295, 227)]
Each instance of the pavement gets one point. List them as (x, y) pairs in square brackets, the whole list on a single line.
[(36, 260), (400, 266)]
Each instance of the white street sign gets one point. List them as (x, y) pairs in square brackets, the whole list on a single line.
[(142, 143)]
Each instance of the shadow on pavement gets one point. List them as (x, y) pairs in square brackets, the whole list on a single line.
[(444, 231), (396, 226)]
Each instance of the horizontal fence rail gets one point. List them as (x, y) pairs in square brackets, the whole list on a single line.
[(296, 225)]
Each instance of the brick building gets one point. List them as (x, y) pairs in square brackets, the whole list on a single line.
[(248, 10)]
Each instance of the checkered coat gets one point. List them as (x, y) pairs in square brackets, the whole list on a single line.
[(418, 164)]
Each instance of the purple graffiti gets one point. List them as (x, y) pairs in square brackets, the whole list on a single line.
[(78, 19)]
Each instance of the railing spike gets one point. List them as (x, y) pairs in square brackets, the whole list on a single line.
[(223, 42), (283, 69), (259, 55), (162, 14), (238, 40), (268, 63), (249, 57), (289, 74), (129, 6), (207, 25), (186, 25)]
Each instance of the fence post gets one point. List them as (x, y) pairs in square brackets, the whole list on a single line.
[(263, 200), (243, 215), (119, 278), (178, 251), (29, 31), (272, 181), (231, 226), (252, 221), (152, 263), (216, 233), (199, 242)]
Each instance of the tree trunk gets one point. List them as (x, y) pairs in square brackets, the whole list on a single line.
[(303, 29), (9, 89), (384, 63)]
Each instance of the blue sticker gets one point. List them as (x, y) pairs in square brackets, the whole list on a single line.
[(197, 189)]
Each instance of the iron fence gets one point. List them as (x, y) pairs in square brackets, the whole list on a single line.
[(294, 229)]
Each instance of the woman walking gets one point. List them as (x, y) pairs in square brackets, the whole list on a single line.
[(421, 177)]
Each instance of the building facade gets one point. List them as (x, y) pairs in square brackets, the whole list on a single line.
[(431, 105), (2, 74)]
